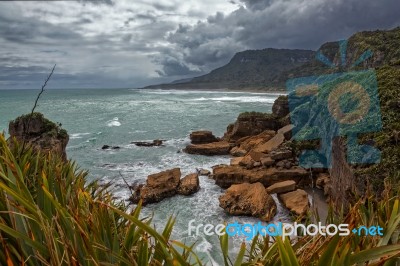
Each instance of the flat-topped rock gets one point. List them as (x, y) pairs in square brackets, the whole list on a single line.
[(282, 187), (202, 137), (209, 149), (296, 201), (158, 187), (250, 200)]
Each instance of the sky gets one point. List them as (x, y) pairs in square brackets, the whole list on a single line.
[(134, 43)]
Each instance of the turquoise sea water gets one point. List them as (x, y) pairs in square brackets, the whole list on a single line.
[(118, 117)]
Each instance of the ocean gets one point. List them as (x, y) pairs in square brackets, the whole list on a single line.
[(116, 117)]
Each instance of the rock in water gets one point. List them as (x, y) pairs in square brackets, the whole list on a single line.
[(189, 185), (159, 186), (248, 199), (202, 137), (40, 133), (296, 201), (214, 148)]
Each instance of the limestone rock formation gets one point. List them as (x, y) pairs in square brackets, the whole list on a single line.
[(209, 149), (189, 185), (158, 186), (250, 124), (248, 199), (295, 201), (202, 137), (282, 187), (40, 133)]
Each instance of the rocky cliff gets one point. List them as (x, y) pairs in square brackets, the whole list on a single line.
[(40, 133)]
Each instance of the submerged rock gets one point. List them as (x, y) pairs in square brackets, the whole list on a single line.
[(156, 142), (248, 199), (40, 133), (107, 147)]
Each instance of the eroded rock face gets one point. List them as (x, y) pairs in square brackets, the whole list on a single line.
[(202, 137), (209, 149), (189, 185), (39, 132), (280, 108), (225, 176), (158, 187), (250, 124), (296, 201), (250, 200)]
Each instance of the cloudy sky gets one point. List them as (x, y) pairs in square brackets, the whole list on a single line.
[(132, 43)]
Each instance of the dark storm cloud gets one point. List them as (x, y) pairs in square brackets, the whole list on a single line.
[(259, 24), (122, 42)]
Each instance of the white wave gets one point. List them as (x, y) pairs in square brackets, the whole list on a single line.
[(114, 122), (78, 135), (246, 99)]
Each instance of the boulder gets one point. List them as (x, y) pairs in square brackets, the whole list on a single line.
[(267, 161), (270, 145), (189, 185), (40, 133), (250, 142), (322, 180), (236, 161), (281, 155), (280, 108), (203, 172), (225, 176), (209, 149), (238, 152), (295, 201), (282, 187), (247, 162), (250, 124), (158, 187), (250, 200), (202, 137)]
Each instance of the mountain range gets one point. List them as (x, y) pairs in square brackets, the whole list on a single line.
[(268, 69)]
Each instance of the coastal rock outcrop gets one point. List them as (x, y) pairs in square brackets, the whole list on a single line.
[(296, 201), (40, 133), (164, 185), (158, 186), (225, 176), (209, 149), (250, 200), (250, 124), (189, 185), (202, 137), (280, 108)]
